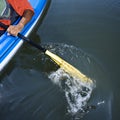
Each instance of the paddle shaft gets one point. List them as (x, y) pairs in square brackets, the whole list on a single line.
[(31, 42), (25, 39)]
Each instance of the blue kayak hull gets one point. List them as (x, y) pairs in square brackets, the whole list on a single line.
[(9, 45)]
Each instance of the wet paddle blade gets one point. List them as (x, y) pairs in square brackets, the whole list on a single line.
[(72, 71)]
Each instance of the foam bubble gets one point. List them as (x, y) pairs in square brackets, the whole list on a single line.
[(77, 93)]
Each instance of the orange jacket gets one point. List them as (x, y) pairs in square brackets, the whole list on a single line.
[(19, 6)]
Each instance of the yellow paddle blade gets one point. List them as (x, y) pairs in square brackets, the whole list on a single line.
[(72, 71)]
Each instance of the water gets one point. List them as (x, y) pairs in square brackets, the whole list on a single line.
[(77, 93), (86, 34)]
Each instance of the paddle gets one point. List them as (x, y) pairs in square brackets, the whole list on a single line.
[(72, 71)]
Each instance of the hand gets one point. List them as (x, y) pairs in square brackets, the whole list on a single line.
[(15, 29)]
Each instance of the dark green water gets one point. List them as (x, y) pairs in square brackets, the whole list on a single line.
[(86, 34)]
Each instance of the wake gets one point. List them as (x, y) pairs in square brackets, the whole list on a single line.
[(77, 93)]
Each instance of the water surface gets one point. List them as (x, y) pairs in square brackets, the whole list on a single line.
[(86, 34)]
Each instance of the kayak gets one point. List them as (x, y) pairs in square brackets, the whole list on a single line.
[(9, 45)]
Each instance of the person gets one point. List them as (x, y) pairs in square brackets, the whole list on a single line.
[(10, 11)]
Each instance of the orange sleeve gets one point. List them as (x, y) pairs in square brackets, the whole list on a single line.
[(20, 6)]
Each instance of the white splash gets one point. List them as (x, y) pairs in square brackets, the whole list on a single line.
[(77, 94)]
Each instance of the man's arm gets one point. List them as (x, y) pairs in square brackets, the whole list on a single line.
[(15, 29)]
